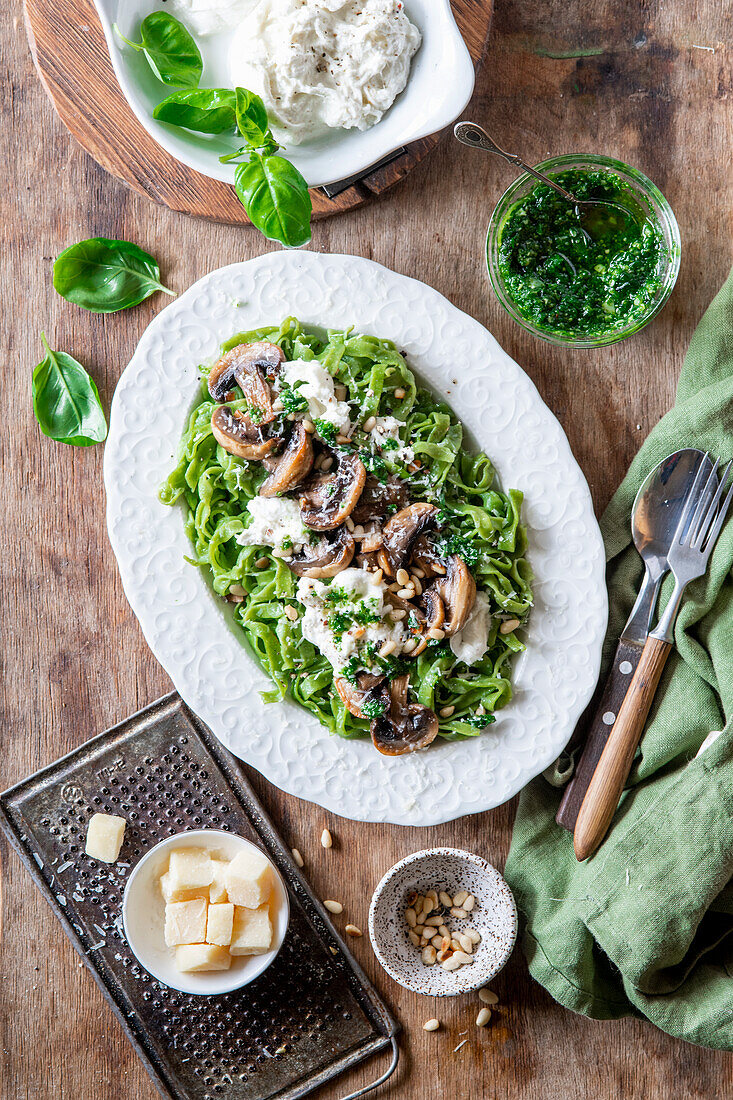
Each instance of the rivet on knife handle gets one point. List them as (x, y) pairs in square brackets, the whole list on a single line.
[(624, 666)]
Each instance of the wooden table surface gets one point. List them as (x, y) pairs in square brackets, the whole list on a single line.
[(646, 81)]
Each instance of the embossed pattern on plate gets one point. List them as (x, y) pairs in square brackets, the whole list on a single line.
[(187, 626)]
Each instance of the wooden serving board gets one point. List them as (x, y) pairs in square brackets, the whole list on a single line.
[(70, 53)]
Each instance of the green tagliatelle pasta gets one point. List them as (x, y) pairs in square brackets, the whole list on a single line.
[(477, 520)]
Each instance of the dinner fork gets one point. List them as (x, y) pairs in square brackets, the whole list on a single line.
[(688, 558)]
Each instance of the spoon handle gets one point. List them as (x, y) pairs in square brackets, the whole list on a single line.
[(468, 133)]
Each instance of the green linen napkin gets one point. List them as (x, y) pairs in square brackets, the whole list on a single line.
[(644, 926)]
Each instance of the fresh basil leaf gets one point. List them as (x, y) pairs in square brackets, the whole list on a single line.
[(276, 199), (252, 121), (66, 401), (105, 275), (172, 53), (206, 110)]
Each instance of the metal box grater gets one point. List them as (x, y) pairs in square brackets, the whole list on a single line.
[(311, 1015)]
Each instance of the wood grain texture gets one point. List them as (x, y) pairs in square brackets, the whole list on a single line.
[(596, 730), (610, 775), (612, 76), (70, 52)]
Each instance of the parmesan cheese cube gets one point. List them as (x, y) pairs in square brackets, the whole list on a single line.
[(249, 879), (218, 890), (190, 869), (252, 932), (171, 894), (194, 958), (219, 924), (104, 837), (185, 922)]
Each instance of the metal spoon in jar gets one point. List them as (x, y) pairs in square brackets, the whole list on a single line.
[(597, 217)]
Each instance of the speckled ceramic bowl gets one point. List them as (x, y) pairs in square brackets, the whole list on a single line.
[(494, 916)]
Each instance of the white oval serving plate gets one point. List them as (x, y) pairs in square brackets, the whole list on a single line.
[(186, 625), (440, 85)]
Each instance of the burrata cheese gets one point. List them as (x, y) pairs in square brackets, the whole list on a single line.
[(323, 64)]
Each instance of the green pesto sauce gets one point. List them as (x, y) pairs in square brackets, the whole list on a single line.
[(566, 283)]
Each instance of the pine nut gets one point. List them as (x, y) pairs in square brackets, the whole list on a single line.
[(488, 997), (437, 942), (405, 593), (309, 426), (433, 895), (326, 839), (437, 633), (352, 930), (370, 424), (408, 647), (463, 957), (334, 907), (350, 523), (451, 964), (469, 903), (262, 563), (433, 922), (388, 647), (458, 913), (445, 899), (299, 861), (411, 917), (414, 939), (445, 712), (399, 393), (277, 405), (419, 573), (378, 576), (428, 955), (460, 897), (427, 907), (359, 531), (431, 1025), (327, 462), (509, 626), (397, 614), (483, 1017), (473, 935), (444, 931), (236, 590), (342, 439), (291, 612), (415, 581), (466, 944), (455, 944), (420, 929), (439, 569), (424, 939), (402, 576)]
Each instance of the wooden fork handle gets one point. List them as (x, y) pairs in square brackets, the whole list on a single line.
[(612, 771)]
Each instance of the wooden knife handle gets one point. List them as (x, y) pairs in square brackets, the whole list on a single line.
[(612, 771), (624, 665)]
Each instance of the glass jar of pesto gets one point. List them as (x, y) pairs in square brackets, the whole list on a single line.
[(566, 288)]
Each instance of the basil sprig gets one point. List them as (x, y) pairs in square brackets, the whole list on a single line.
[(269, 187), (66, 400), (206, 110), (104, 275), (170, 50)]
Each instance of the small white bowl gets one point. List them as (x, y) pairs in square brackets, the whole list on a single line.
[(440, 85), (143, 916), (449, 869)]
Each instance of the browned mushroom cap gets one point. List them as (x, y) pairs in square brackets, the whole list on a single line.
[(353, 696), (457, 590), (247, 365), (404, 727), (378, 498), (432, 617), (293, 466), (426, 557), (400, 533), (237, 434), (326, 559), (329, 498)]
